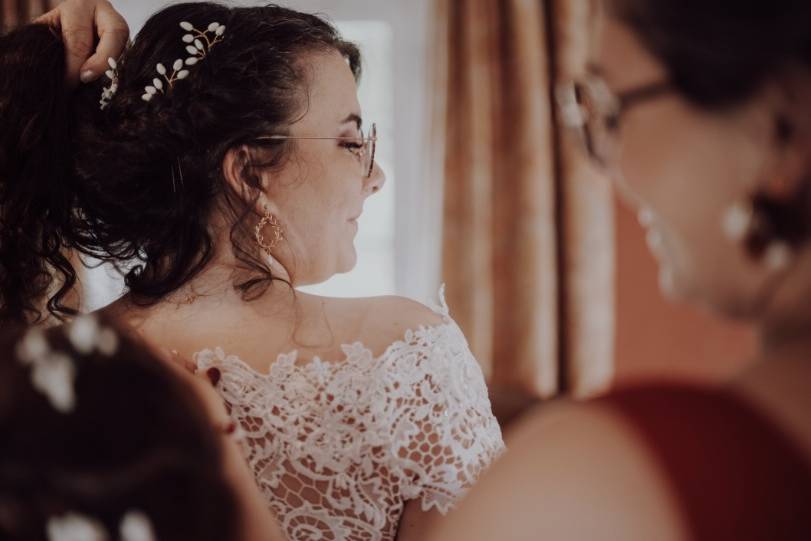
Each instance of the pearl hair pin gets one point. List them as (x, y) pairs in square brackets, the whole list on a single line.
[(108, 92), (53, 373), (134, 526), (198, 44)]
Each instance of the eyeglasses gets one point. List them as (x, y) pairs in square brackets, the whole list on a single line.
[(594, 111), (363, 147)]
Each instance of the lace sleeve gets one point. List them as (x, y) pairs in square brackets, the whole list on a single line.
[(447, 434)]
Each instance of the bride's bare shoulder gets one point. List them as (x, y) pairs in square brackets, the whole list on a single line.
[(379, 321)]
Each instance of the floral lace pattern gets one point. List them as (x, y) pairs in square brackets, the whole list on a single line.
[(338, 448)]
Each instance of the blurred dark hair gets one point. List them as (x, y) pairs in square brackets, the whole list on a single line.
[(718, 54), (35, 192), (137, 438), (138, 180)]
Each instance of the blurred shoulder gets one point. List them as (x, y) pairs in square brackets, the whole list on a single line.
[(573, 471)]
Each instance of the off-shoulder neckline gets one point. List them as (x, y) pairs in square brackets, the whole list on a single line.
[(350, 352)]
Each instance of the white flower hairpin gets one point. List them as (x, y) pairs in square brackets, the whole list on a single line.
[(85, 334), (134, 526), (75, 527), (198, 44), (53, 373), (108, 92)]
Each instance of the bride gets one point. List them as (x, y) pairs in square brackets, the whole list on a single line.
[(223, 153)]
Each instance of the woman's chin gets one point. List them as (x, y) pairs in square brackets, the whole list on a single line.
[(673, 285), (348, 261), (678, 287)]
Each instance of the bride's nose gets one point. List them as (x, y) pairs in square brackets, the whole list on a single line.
[(374, 182)]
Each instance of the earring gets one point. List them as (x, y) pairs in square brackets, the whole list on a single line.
[(777, 256), (744, 222), (737, 221), (278, 232)]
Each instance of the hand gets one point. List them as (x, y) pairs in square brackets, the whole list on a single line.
[(77, 20), (203, 382), (259, 522)]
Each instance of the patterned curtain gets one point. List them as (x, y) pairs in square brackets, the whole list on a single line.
[(527, 230)]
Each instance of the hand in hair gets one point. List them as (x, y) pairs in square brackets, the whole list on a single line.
[(77, 20)]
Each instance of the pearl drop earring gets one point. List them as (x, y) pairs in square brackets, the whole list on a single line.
[(777, 256), (741, 223), (737, 221)]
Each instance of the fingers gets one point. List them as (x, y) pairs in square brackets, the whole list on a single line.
[(80, 21), (76, 22), (186, 364), (50, 18), (202, 381), (113, 34), (176, 360), (205, 382), (213, 374)]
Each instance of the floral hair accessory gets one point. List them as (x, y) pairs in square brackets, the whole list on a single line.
[(134, 526), (75, 527), (53, 373), (85, 335), (198, 45), (108, 92)]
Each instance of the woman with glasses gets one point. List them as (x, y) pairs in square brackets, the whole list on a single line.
[(699, 110), (221, 163)]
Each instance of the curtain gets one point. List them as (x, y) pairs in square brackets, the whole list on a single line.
[(15, 12), (527, 230), (588, 228)]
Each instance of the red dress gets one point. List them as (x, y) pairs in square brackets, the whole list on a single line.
[(736, 474)]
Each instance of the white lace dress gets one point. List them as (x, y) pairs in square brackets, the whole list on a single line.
[(339, 447)]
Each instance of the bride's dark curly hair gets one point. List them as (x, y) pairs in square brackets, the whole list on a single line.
[(138, 180)]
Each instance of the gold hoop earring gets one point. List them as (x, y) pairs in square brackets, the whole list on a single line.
[(276, 227)]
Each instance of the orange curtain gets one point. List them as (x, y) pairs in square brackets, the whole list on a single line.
[(587, 227), (527, 231)]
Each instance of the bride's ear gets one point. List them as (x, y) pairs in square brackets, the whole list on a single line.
[(244, 180)]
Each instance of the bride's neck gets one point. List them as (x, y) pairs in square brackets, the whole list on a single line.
[(221, 275), (225, 270)]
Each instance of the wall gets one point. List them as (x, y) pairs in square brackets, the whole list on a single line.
[(658, 338)]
